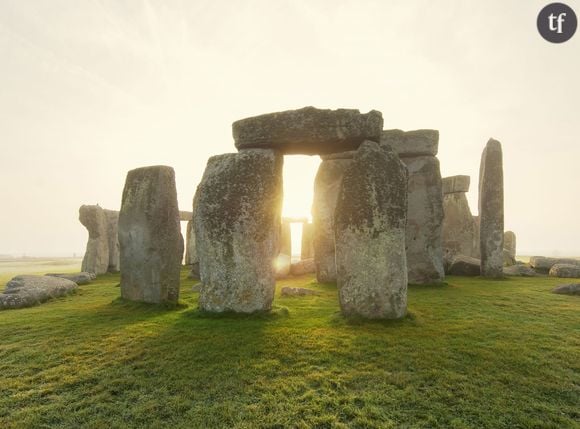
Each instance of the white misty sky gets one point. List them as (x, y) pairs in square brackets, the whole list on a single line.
[(92, 89)]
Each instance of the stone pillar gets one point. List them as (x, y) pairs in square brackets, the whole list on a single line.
[(458, 230), (307, 245), (476, 253), (284, 259), (113, 239), (370, 235), (150, 238), (96, 259), (237, 227), (418, 150), (509, 243), (491, 213), (326, 188)]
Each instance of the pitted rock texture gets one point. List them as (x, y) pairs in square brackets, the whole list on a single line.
[(453, 184), (79, 278), (491, 212), (509, 243), (96, 259), (326, 188), (237, 227), (565, 270), (26, 291), (307, 246), (150, 236), (412, 143), (369, 227), (112, 217), (308, 131)]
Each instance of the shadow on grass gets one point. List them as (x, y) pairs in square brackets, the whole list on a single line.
[(139, 306), (277, 312)]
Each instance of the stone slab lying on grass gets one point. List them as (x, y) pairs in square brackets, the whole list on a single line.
[(298, 291), (520, 270), (26, 291), (565, 270), (82, 278), (571, 289), (303, 266), (543, 264), (465, 266)]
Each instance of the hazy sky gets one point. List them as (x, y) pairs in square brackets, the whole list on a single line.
[(92, 89)]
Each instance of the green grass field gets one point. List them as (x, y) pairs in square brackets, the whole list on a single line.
[(474, 353)]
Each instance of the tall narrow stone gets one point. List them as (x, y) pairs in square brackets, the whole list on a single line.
[(491, 211), (113, 239), (284, 259), (458, 230), (96, 259), (326, 188), (509, 243), (151, 245), (417, 149), (237, 227), (307, 245), (370, 235)]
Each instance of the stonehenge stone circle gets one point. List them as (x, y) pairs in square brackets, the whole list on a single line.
[(26, 291), (96, 259), (370, 235), (113, 239), (458, 231), (150, 238), (491, 211), (326, 189), (417, 149), (237, 228), (308, 131)]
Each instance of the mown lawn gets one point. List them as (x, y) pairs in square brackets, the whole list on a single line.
[(474, 353)]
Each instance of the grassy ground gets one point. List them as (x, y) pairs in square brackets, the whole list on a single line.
[(474, 353)]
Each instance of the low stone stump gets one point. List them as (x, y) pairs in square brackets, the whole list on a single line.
[(150, 238), (463, 265), (571, 289), (297, 291), (79, 278), (565, 271), (304, 266), (370, 235), (521, 270), (27, 291), (237, 228)]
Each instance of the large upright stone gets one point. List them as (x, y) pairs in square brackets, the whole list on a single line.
[(96, 259), (150, 236), (237, 227), (509, 243), (370, 235), (113, 239), (326, 188), (417, 149), (458, 232), (308, 131), (491, 213), (307, 245)]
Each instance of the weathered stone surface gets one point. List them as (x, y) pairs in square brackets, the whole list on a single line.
[(508, 259), (237, 227), (424, 221), (463, 265), (112, 217), (491, 220), (455, 184), (326, 188), (298, 291), (571, 289), (185, 216), (308, 131), (543, 264), (26, 291), (509, 243), (150, 236), (286, 239), (565, 270), (476, 250), (303, 266), (412, 143), (458, 231), (82, 278), (339, 155), (196, 287), (307, 245), (369, 227), (96, 259), (522, 270), (191, 257)]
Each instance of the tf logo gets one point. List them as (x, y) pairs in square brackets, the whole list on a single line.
[(557, 22)]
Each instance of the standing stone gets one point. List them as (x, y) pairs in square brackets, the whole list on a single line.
[(326, 188), (491, 210), (476, 251), (150, 236), (307, 245), (370, 235), (237, 227), (284, 259), (191, 257), (113, 239), (417, 149), (509, 243), (96, 259), (458, 230)]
